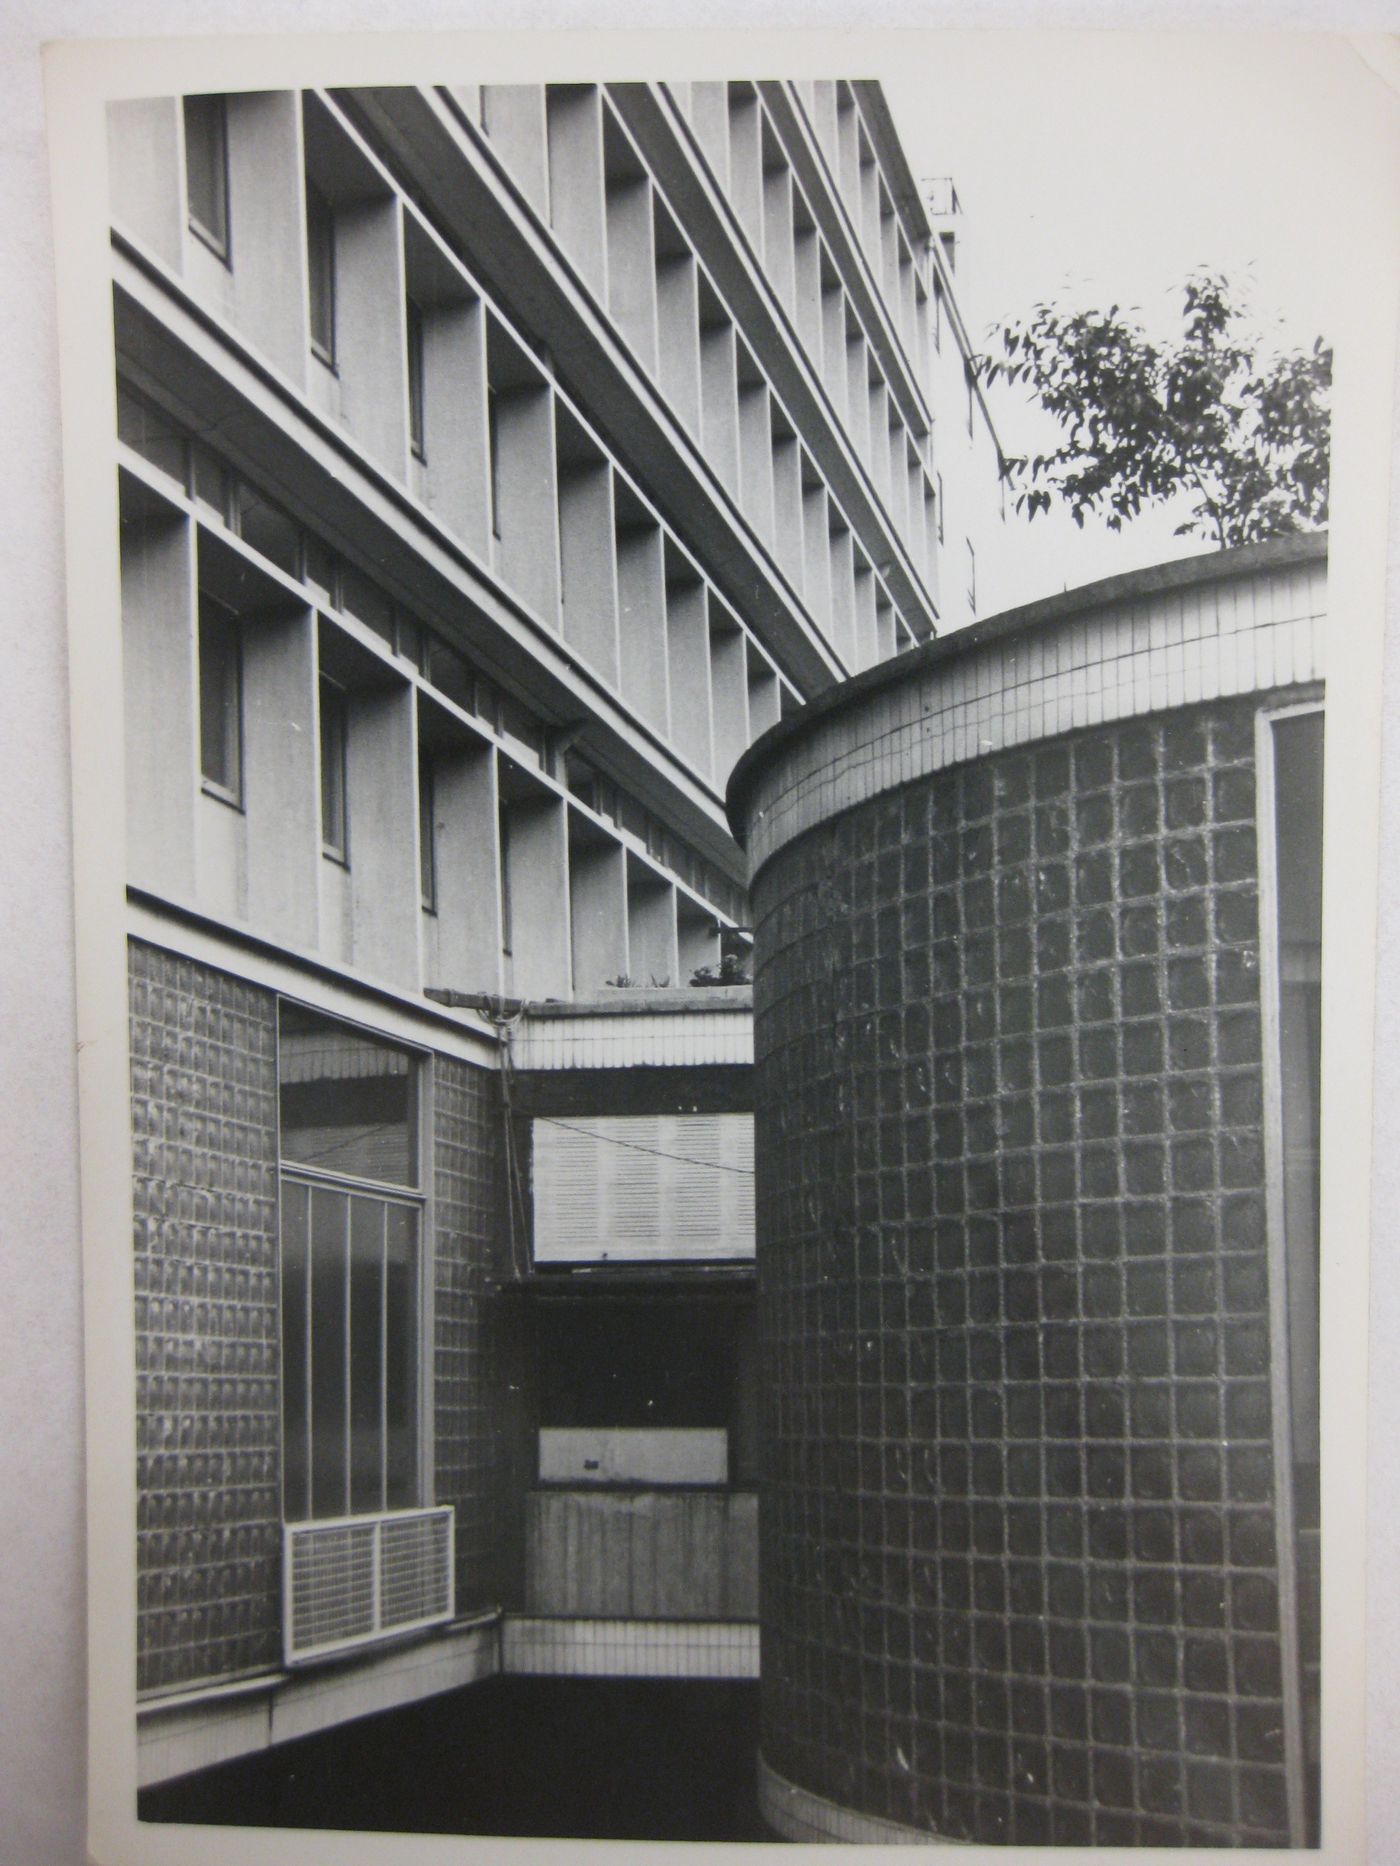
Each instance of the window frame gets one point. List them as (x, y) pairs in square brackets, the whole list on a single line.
[(427, 835), (414, 328), (417, 1198), (211, 613), (1281, 1368), (493, 459), (216, 238), (321, 275), (504, 891), (334, 764)]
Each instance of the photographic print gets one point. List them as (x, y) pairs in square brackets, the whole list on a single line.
[(700, 705)]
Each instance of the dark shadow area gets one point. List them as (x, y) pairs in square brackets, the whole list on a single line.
[(553, 1758)]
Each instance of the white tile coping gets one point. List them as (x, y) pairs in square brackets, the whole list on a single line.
[(798, 1814), (1228, 622)]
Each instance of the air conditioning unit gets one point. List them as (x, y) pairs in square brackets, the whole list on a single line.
[(351, 1580)]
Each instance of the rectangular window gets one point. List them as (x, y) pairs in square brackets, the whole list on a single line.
[(319, 568), (414, 333), (152, 434), (335, 816), (362, 598), (220, 700), (206, 171), (427, 836), (506, 911), (267, 528), (351, 1278), (320, 267), (210, 481), (493, 461)]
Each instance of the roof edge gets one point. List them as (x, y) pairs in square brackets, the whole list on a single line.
[(1177, 573)]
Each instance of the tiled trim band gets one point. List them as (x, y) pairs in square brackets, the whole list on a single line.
[(1250, 621), (797, 1814), (556, 1647)]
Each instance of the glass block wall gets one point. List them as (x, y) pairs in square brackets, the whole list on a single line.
[(209, 1505), (206, 1268), (1024, 1518)]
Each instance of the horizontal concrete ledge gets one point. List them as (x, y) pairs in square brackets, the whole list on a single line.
[(797, 1814), (195, 1730), (645, 1001)]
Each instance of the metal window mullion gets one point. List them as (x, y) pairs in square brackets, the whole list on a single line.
[(384, 1357), (310, 1388), (349, 1494)]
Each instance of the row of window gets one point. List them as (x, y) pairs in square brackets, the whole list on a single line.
[(334, 583), (221, 767), (684, 305), (778, 214), (351, 1231), (765, 464)]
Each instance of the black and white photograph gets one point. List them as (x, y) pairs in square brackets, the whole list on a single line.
[(698, 701)]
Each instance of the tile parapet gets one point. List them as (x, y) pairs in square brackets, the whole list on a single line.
[(1201, 628)]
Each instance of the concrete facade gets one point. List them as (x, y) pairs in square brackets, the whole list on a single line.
[(496, 464)]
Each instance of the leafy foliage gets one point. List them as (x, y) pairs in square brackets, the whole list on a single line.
[(731, 972), (1242, 435)]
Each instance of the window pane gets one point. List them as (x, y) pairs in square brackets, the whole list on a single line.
[(156, 438), (320, 260), (415, 377), (335, 828), (450, 674), (267, 529), (347, 1103), (427, 836), (206, 168), (493, 460), (1298, 751), (295, 1501), (401, 1305), (209, 480), (330, 1213), (318, 568), (1298, 807), (220, 697), (363, 599), (367, 1354)]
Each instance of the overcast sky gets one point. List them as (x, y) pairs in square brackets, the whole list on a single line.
[(1113, 164)]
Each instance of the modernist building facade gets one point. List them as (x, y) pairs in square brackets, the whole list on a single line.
[(1038, 928), (495, 465)]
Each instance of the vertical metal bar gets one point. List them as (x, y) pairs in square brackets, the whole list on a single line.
[(310, 1389), (349, 1446), (384, 1357), (1285, 1535)]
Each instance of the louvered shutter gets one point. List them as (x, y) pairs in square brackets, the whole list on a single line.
[(637, 1188)]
